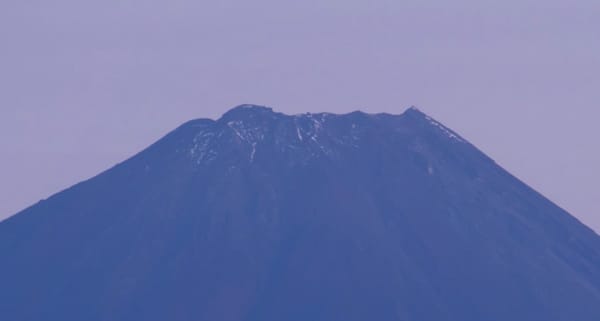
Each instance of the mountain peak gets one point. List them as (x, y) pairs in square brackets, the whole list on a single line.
[(414, 111), (246, 110), (428, 121)]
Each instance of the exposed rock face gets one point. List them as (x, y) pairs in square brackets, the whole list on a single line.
[(261, 216)]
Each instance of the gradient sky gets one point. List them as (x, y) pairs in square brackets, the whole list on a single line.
[(86, 84)]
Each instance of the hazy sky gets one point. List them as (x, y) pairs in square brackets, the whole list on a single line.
[(86, 84)]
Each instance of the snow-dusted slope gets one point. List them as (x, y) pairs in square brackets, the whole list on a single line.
[(262, 216)]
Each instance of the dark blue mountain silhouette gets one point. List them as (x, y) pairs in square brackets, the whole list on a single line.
[(261, 216)]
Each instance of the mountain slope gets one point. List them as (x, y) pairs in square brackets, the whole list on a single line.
[(265, 216)]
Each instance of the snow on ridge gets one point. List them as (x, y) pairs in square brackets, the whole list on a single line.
[(200, 150), (253, 153), (299, 133), (251, 135), (443, 128), (311, 128), (316, 128)]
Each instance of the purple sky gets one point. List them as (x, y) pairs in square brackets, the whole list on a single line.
[(85, 84)]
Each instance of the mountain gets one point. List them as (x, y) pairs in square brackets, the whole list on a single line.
[(261, 216)]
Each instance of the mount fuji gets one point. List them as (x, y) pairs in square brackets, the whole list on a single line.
[(262, 216)]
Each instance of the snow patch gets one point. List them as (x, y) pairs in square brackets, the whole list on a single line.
[(299, 133), (250, 135), (444, 129), (200, 150), (253, 153)]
